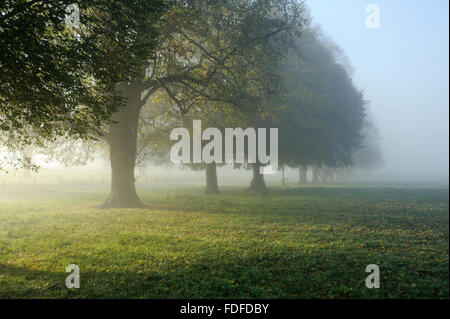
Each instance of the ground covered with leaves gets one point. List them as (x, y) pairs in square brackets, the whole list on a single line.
[(305, 242)]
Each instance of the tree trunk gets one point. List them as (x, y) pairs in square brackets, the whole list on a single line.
[(283, 178), (324, 177), (122, 140), (326, 174), (315, 170), (257, 183), (212, 186), (303, 169)]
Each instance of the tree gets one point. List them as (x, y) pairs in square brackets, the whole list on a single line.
[(322, 113), (369, 156), (154, 146), (303, 174), (58, 80), (206, 53)]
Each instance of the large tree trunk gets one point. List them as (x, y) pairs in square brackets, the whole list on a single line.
[(315, 170), (122, 139), (302, 169), (257, 183), (212, 186)]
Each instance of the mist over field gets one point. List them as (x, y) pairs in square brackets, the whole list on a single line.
[(403, 69), (106, 174)]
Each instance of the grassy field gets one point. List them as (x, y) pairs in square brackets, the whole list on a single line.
[(306, 242)]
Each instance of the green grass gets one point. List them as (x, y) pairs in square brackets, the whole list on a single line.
[(312, 242)]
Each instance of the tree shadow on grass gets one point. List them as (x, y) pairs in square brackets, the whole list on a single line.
[(263, 277), (307, 201), (287, 273)]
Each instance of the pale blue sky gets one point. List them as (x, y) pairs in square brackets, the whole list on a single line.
[(403, 70)]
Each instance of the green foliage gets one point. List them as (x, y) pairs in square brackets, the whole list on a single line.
[(59, 80), (322, 113), (369, 156), (217, 52), (211, 61), (290, 243)]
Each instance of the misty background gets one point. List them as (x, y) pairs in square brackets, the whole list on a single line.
[(402, 68)]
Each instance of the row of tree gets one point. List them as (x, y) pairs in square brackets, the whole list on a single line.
[(132, 70), (321, 116)]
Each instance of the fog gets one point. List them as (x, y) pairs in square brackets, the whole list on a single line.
[(402, 67), (244, 149)]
